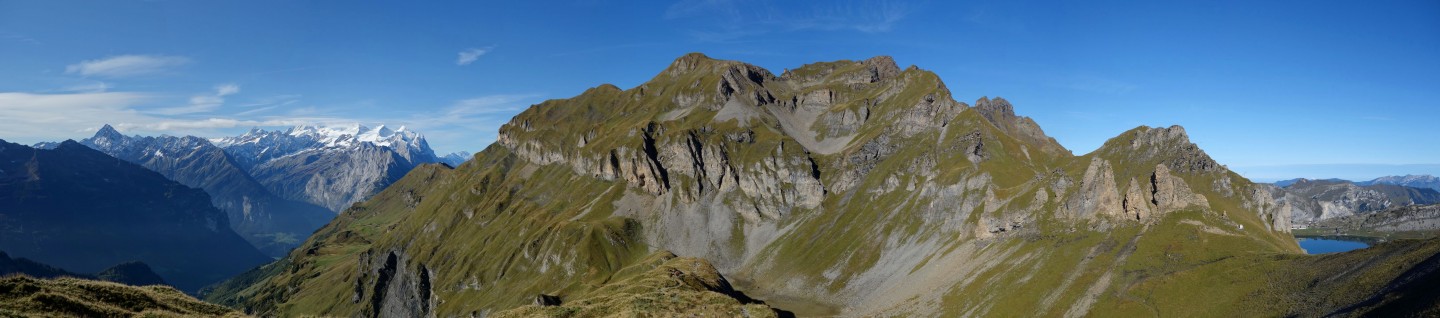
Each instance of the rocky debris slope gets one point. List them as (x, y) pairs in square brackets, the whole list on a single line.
[(856, 187), (329, 166), (270, 223), (81, 210)]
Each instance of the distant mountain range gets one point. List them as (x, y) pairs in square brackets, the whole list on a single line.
[(84, 211), (1405, 221), (330, 166), (1313, 200), (1286, 183), (1411, 180), (271, 223), (1414, 181), (454, 159), (279, 186)]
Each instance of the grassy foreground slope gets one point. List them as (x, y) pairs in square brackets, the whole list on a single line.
[(855, 187), (23, 296)]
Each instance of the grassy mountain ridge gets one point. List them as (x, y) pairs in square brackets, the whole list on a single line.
[(855, 186), (23, 296)]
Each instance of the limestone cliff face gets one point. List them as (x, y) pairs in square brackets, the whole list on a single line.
[(858, 186)]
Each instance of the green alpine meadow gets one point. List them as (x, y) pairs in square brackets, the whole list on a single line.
[(851, 188)]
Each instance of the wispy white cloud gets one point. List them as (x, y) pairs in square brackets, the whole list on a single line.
[(470, 55), (492, 104), (226, 89), (90, 87), (467, 124), (202, 103), (12, 36), (126, 65), (50, 117), (267, 104), (722, 20)]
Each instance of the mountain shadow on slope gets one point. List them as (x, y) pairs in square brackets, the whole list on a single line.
[(81, 210)]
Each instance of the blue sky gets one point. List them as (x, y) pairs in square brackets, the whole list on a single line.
[(1327, 89)]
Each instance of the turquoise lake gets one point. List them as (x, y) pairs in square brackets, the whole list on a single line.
[(1329, 245)]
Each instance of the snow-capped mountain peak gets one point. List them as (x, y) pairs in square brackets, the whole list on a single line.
[(260, 145), (338, 136)]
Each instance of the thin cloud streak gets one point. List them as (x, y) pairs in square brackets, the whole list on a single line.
[(471, 55), (202, 103), (126, 65)]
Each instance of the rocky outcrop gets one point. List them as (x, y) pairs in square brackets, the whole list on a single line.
[(1137, 201), (1172, 147), (1000, 113), (388, 286), (1097, 195), (1171, 193), (1278, 213)]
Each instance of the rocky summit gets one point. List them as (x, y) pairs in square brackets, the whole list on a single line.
[(850, 188)]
